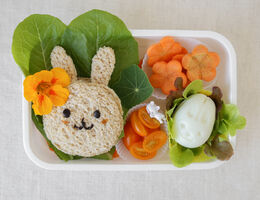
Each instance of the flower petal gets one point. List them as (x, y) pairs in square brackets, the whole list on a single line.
[(60, 76), (44, 76), (30, 84), (58, 95), (42, 105)]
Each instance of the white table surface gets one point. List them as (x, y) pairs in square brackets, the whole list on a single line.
[(238, 20)]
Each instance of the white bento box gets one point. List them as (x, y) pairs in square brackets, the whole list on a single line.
[(37, 149)]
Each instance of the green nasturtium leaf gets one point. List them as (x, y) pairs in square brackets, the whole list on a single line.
[(193, 88), (133, 87), (33, 40), (100, 29), (37, 119)]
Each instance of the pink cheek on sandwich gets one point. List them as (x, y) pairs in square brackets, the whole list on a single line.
[(104, 121), (65, 122)]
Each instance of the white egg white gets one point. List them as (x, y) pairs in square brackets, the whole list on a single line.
[(194, 121)]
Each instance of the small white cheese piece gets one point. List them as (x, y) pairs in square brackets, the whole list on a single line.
[(194, 121), (153, 111)]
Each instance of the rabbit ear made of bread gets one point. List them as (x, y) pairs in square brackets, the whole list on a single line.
[(103, 64), (59, 58)]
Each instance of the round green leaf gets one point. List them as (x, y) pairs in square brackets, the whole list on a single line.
[(133, 87)]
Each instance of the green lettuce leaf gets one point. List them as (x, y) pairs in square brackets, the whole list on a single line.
[(133, 87), (99, 29), (176, 103), (202, 157), (230, 120), (193, 88), (106, 156), (37, 119), (180, 156), (170, 126), (33, 40), (170, 118)]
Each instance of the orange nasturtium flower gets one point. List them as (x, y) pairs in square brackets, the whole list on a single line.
[(46, 88)]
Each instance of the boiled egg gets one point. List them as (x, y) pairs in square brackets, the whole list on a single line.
[(194, 121)]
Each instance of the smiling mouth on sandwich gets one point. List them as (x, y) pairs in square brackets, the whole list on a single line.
[(83, 125)]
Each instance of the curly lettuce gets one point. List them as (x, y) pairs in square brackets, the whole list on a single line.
[(228, 120)]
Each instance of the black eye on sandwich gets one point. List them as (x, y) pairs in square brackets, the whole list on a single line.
[(96, 114), (66, 113)]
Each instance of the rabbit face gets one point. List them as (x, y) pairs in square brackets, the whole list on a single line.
[(91, 120), (89, 123)]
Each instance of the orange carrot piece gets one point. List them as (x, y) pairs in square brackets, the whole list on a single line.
[(163, 51), (173, 66), (159, 67), (184, 51), (115, 154), (140, 63), (156, 80), (178, 57), (165, 74), (201, 64)]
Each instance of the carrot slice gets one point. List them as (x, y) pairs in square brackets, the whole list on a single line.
[(156, 80), (115, 154), (173, 66), (140, 63), (159, 67), (201, 64), (178, 57), (163, 51), (165, 74), (184, 51)]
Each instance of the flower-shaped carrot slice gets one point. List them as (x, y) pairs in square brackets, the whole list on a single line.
[(165, 74), (163, 51), (201, 64), (180, 55)]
